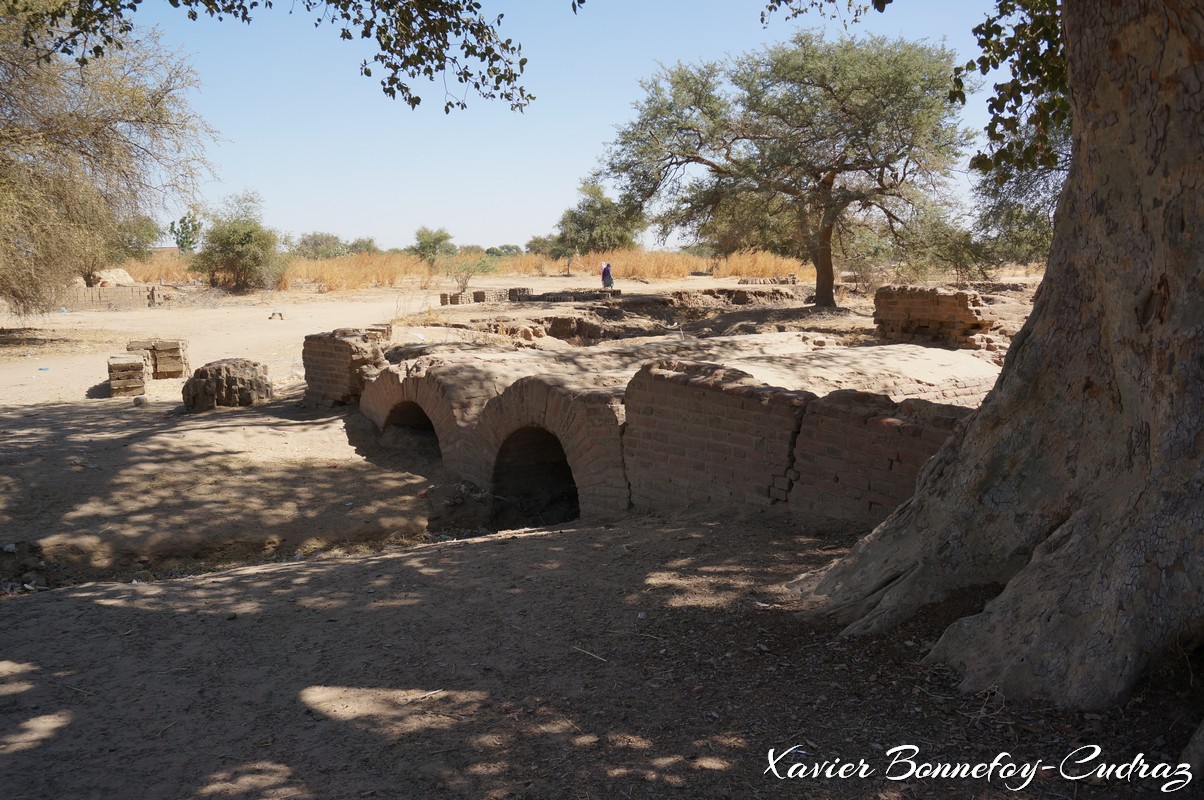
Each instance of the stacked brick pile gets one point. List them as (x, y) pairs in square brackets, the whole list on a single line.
[(701, 433), (945, 317), (164, 358), (127, 375), (779, 280), (517, 295), (857, 455), (338, 363)]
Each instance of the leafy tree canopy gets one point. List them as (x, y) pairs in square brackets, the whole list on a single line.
[(596, 224), (431, 243), (789, 139), (414, 38), (87, 153)]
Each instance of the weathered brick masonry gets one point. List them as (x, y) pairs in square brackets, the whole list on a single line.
[(104, 298), (338, 363), (857, 455), (673, 432), (939, 316), (701, 433), (587, 421)]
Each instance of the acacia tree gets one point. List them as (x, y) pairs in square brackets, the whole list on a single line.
[(812, 126), (86, 153)]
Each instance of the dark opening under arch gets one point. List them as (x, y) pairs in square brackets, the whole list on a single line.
[(532, 481), (408, 427)]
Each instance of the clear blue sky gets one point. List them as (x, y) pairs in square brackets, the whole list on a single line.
[(328, 151)]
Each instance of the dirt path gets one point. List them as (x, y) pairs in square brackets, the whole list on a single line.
[(653, 658)]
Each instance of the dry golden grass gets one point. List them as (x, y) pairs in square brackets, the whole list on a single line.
[(360, 271), (382, 270), (166, 266)]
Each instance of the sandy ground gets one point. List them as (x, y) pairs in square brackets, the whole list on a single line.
[(635, 657)]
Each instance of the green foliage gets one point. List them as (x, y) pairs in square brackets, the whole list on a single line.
[(597, 224), (239, 252), (471, 250), (318, 246), (134, 239), (412, 40), (85, 156), (186, 231), (504, 250), (464, 268), (363, 245), (780, 144), (430, 244)]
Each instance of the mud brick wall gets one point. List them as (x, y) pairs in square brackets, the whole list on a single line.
[(858, 455), (484, 296), (945, 317), (703, 434), (102, 298), (338, 363)]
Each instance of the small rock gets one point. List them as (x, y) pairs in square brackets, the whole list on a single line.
[(34, 581), (140, 400), (10, 548)]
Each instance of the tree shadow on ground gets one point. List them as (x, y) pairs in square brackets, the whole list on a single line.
[(653, 659), (104, 486)]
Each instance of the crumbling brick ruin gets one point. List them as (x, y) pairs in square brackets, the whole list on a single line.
[(338, 363), (704, 434), (228, 382), (940, 316), (652, 434), (857, 455)]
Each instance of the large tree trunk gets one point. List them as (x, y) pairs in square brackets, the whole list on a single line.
[(1078, 486), (825, 273)]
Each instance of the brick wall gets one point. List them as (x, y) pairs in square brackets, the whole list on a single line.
[(857, 455), (338, 363), (103, 298), (701, 433), (940, 316)]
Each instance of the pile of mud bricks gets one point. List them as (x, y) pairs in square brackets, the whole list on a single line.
[(162, 358), (339, 362), (484, 296), (947, 317)]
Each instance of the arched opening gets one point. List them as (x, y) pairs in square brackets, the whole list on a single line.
[(532, 482), (408, 427)]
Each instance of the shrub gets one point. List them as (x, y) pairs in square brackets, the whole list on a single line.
[(240, 253)]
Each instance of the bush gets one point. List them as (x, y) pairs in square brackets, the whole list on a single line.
[(240, 253), (463, 270)]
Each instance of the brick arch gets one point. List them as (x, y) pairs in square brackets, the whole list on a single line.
[(394, 397), (586, 422)]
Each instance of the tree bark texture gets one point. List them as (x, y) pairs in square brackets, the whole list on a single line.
[(1078, 485)]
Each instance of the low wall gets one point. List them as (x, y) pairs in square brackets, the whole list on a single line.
[(946, 317), (702, 434), (857, 455), (339, 363), (104, 298), (676, 434)]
